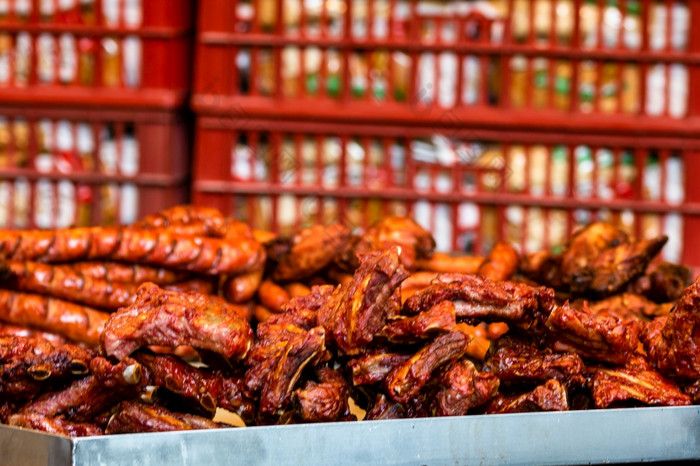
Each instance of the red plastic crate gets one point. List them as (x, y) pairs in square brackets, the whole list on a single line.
[(470, 187), (120, 53), (60, 168), (455, 63)]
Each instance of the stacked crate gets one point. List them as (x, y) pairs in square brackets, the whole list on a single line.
[(91, 110), (485, 120)]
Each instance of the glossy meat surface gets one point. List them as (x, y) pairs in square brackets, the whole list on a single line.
[(160, 317)]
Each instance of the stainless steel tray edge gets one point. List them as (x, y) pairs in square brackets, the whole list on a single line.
[(577, 437)]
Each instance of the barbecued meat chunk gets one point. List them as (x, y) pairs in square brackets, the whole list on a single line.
[(478, 298), (209, 388), (30, 365), (551, 396), (168, 318), (673, 342), (407, 379), (415, 242), (438, 319), (133, 417), (614, 268), (463, 388), (598, 338), (663, 283), (637, 380), (310, 250), (356, 311), (325, 400), (83, 399), (517, 361), (54, 425)]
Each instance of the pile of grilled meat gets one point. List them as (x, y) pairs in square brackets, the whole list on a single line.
[(162, 324)]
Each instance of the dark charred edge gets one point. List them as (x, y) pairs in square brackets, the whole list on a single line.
[(48, 249)]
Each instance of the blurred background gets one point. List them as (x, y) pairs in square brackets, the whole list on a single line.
[(485, 120)]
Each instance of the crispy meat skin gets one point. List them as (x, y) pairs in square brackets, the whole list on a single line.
[(477, 297), (415, 242), (438, 319), (663, 283), (29, 365), (407, 379), (613, 269), (373, 367), (132, 417), (518, 361), (384, 408), (673, 342), (311, 250), (501, 263), (551, 396), (599, 338), (356, 311), (637, 380), (78, 323), (208, 387), (584, 247), (325, 400), (64, 283), (276, 364), (463, 388), (85, 398), (160, 317), (158, 247), (623, 306), (693, 391), (9, 330), (54, 425)]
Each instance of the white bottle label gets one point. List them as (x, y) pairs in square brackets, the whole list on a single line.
[(68, 65), (129, 204), (132, 61), (67, 204), (43, 204)]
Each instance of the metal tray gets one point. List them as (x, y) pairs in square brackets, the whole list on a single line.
[(606, 436)]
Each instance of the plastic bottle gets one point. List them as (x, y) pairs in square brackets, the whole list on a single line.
[(678, 90), (656, 89), (657, 26), (611, 25), (632, 26), (68, 62), (132, 56), (5, 54), (680, 26), (23, 59)]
